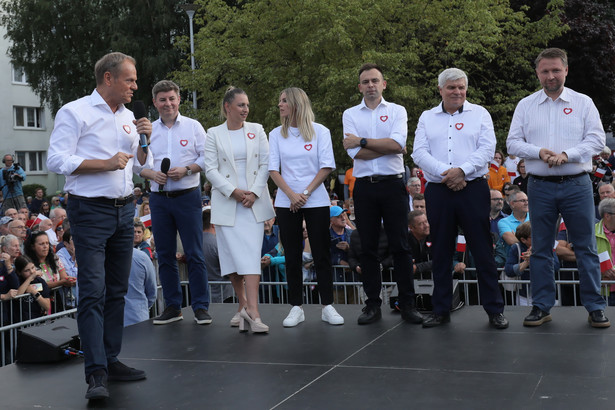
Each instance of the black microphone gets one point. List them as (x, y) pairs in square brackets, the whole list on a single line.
[(164, 167), (138, 109)]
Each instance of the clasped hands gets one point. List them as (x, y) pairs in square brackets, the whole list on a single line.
[(551, 158), (246, 198), (454, 179)]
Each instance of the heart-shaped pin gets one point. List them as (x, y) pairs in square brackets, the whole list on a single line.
[(251, 135), (127, 129), (459, 125), (384, 118), (183, 142), (567, 111), (307, 147)]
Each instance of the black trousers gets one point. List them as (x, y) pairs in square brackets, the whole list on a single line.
[(383, 202), (468, 208), (291, 237)]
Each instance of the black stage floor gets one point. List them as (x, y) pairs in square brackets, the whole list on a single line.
[(564, 364)]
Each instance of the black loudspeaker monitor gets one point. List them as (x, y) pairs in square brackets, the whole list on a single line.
[(47, 343)]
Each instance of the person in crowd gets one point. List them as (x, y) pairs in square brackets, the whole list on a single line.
[(349, 181), (605, 242), (141, 293), (339, 236), (57, 216), (509, 189), (559, 183), (45, 208), (11, 178), (414, 187), (142, 211), (18, 228), (55, 202), (420, 244), (300, 160), (38, 303), (521, 180), (9, 285), (140, 243), (236, 162), (138, 193), (10, 245), (454, 159), (24, 213), (418, 200), (375, 135), (511, 163), (507, 226), (69, 260), (4, 225), (218, 293), (37, 201), (85, 147), (176, 203), (496, 214), (605, 190), (11, 213), (498, 174), (38, 249)]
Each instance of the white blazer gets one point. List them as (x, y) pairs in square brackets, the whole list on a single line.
[(221, 172)]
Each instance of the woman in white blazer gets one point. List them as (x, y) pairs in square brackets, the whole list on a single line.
[(236, 162)]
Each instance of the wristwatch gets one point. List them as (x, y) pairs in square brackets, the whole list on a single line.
[(306, 193), (188, 171), (363, 142), (37, 295)]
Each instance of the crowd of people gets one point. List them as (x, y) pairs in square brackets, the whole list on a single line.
[(412, 221)]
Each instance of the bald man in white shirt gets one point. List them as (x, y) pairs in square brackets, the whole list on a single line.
[(95, 144), (558, 131)]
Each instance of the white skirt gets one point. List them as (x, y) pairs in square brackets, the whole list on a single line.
[(239, 246)]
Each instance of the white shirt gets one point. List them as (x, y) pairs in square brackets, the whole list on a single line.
[(183, 144), (511, 166), (570, 124), (88, 129), (299, 161), (388, 120), (463, 140)]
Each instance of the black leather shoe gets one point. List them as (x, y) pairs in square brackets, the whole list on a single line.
[(598, 319), (119, 372), (434, 319), (97, 386), (371, 314), (498, 321), (536, 317), (411, 315)]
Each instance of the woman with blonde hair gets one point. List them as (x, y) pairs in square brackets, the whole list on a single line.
[(236, 158), (300, 159)]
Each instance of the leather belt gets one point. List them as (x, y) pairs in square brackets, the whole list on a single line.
[(174, 194), (378, 178), (558, 178), (116, 202)]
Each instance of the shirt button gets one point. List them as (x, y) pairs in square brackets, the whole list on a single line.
[(254, 172), (227, 175), (224, 159)]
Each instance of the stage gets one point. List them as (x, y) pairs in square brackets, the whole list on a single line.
[(564, 364)]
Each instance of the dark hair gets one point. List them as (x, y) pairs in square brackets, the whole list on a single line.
[(21, 262), (370, 66), (412, 215), (206, 219), (552, 53), (418, 197), (524, 231), (110, 62), (163, 87), (229, 97), (66, 235), (28, 246)]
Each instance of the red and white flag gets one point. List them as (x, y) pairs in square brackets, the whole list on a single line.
[(512, 174), (461, 243), (147, 220), (555, 245), (40, 218), (562, 225), (605, 261), (494, 165), (600, 172)]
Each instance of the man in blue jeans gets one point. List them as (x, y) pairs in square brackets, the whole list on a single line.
[(94, 144), (176, 203), (557, 131)]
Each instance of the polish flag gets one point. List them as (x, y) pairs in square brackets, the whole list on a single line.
[(600, 172), (147, 220), (555, 245), (605, 261), (512, 174), (562, 226), (461, 243), (40, 218), (494, 165)]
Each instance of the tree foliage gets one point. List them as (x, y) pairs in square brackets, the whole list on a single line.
[(57, 42), (265, 46)]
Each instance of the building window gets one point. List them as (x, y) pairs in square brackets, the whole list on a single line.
[(19, 75), (28, 117), (33, 162)]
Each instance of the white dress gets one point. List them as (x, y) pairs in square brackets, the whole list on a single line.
[(239, 246)]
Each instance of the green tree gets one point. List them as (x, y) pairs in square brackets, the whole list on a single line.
[(57, 42), (266, 45)]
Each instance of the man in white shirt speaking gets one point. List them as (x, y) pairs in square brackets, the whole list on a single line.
[(557, 131), (375, 134), (175, 203), (94, 144), (453, 144)]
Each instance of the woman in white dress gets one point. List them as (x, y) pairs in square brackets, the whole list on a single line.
[(236, 159), (301, 158)]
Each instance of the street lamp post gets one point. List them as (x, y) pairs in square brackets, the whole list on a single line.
[(190, 9)]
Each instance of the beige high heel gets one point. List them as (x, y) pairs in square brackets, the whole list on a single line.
[(255, 324), (235, 320)]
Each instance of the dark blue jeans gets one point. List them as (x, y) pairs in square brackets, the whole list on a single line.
[(181, 214), (103, 236)]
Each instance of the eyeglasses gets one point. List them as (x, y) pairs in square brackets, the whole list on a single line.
[(521, 200), (19, 227)]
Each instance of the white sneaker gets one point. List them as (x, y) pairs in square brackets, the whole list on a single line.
[(295, 316), (330, 315)]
